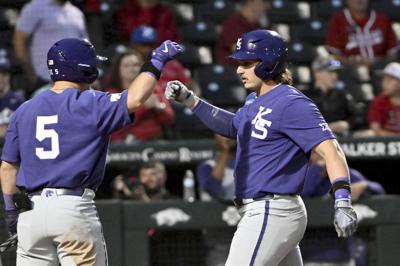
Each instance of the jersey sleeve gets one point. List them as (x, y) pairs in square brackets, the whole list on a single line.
[(303, 123), (11, 151), (112, 111), (29, 18)]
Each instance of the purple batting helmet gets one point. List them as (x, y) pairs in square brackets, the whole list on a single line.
[(265, 46), (73, 60)]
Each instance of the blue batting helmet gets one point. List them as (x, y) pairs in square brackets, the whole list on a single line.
[(73, 60), (265, 46)]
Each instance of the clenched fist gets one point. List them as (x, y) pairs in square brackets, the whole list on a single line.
[(177, 91)]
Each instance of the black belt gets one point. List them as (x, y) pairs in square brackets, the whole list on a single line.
[(240, 202), (57, 191)]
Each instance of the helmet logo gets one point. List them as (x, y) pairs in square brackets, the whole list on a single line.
[(239, 44)]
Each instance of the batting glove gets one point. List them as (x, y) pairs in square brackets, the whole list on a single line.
[(345, 218), (11, 218), (177, 91), (165, 52)]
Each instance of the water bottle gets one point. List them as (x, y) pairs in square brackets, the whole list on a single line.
[(189, 193)]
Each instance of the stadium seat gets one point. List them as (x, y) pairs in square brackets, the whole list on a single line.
[(215, 10), (199, 32), (194, 56), (301, 74), (283, 30), (301, 53), (389, 7), (361, 92), (350, 73), (220, 85), (312, 31), (286, 11), (183, 12), (325, 8)]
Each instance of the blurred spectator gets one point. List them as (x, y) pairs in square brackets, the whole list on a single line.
[(155, 113), (384, 111), (332, 102), (322, 246), (144, 39), (360, 35), (146, 12), (9, 100), (215, 177), (216, 181), (40, 25), (247, 18), (150, 185)]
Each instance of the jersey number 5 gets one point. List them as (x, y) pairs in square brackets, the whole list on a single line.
[(43, 133)]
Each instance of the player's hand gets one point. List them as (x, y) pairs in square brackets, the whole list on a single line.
[(177, 91), (11, 218), (345, 218), (165, 52)]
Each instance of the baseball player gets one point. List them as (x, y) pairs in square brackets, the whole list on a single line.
[(275, 134), (55, 151)]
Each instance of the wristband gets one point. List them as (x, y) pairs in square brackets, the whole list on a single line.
[(149, 67), (9, 202), (341, 188)]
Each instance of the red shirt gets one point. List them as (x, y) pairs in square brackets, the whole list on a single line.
[(148, 124), (159, 17), (232, 28), (383, 112), (368, 38), (173, 70)]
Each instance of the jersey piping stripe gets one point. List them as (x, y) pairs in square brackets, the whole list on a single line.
[(260, 237)]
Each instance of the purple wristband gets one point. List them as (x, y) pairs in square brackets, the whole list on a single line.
[(341, 188), (9, 203), (341, 194), (158, 64)]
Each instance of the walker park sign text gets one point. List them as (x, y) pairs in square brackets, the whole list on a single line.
[(195, 151)]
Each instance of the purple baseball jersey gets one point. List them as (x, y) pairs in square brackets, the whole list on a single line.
[(275, 134), (61, 140)]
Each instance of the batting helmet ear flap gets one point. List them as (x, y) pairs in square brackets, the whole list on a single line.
[(268, 69)]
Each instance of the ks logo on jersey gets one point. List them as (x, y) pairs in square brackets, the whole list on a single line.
[(260, 123)]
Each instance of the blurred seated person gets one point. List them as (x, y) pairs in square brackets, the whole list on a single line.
[(40, 24), (10, 100), (360, 35), (332, 102), (215, 177), (150, 186), (153, 115), (146, 12), (321, 246), (143, 40), (216, 181), (249, 17), (384, 111)]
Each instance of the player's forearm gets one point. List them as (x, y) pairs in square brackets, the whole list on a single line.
[(20, 46), (8, 176), (140, 90), (335, 159), (219, 168), (216, 119)]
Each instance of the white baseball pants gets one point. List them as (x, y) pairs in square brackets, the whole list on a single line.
[(269, 233), (61, 229)]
